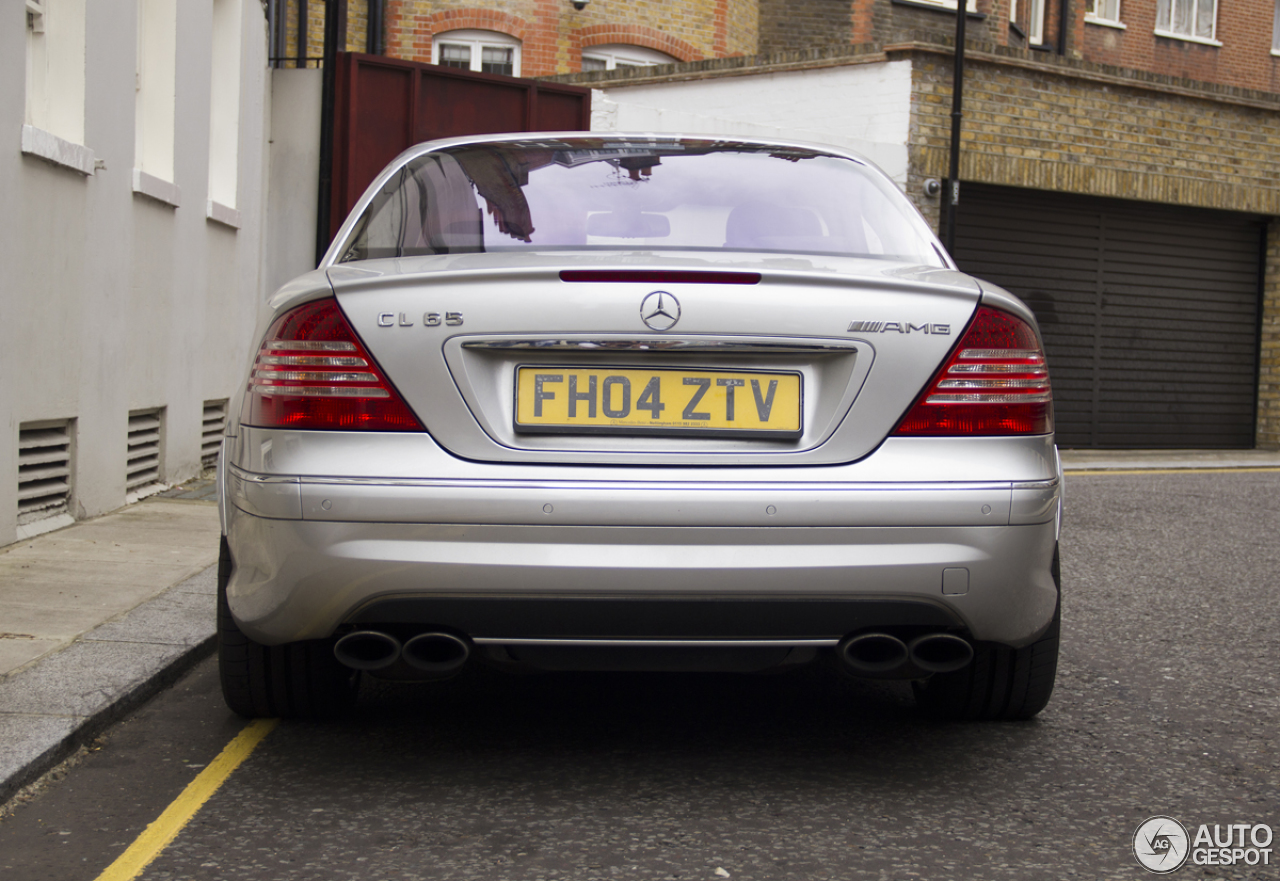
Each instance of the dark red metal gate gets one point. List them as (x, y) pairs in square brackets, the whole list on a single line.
[(382, 106)]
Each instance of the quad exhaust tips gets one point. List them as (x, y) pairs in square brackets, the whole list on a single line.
[(433, 652), (367, 650), (873, 654), (436, 652), (882, 655), (940, 652)]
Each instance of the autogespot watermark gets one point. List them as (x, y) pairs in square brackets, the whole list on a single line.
[(1163, 845)]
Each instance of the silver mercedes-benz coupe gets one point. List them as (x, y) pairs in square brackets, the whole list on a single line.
[(640, 402)]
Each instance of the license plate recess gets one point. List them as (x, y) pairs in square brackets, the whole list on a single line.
[(658, 401)]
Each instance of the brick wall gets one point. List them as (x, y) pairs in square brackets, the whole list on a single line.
[(1076, 127), (895, 23), (553, 34), (1244, 59), (697, 29), (787, 25), (1244, 28), (314, 27), (357, 27)]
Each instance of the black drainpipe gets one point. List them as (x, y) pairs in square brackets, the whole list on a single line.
[(1064, 9), (302, 33), (373, 42), (952, 197), (335, 33)]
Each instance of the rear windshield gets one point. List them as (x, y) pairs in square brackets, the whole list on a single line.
[(592, 194)]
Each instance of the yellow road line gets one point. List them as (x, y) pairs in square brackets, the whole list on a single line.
[(156, 837), (1233, 470)]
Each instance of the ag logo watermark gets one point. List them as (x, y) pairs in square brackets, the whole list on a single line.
[(1163, 845)]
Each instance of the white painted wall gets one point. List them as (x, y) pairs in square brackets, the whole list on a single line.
[(111, 300), (862, 107), (295, 174)]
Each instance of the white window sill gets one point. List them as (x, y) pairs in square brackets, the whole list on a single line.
[(156, 188), (1276, 52), (219, 213), (1106, 23), (971, 7), (51, 148), (1187, 38)]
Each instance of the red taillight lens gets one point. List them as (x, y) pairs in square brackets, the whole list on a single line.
[(313, 373), (994, 383)]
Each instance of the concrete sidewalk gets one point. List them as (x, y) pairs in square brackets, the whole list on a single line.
[(97, 617)]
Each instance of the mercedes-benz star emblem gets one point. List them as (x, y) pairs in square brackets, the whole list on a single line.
[(660, 310)]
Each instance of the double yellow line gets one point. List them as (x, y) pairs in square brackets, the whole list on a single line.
[(157, 836)]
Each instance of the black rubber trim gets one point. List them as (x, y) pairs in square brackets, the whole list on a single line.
[(659, 618)]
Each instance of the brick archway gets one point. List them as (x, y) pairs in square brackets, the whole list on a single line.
[(414, 33), (478, 20), (632, 35)]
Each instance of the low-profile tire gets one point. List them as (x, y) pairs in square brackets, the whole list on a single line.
[(297, 680), (1000, 683)]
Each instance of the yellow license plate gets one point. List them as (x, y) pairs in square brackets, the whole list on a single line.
[(670, 401)]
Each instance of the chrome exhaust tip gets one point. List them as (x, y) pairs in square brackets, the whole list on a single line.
[(367, 650), (436, 652), (873, 653), (940, 652)]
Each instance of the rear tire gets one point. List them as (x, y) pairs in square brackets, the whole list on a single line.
[(297, 680), (1000, 683)]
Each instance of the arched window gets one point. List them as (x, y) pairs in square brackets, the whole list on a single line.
[(483, 51), (612, 56)]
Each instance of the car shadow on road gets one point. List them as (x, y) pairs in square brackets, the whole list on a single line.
[(654, 727)]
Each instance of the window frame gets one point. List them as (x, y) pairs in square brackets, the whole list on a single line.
[(53, 115), (1032, 29), (1035, 22), (35, 16), (477, 41), (225, 109), (155, 101), (625, 55), (1095, 18), (1169, 33), (971, 6)]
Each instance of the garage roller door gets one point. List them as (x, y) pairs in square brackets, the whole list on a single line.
[(1149, 313)]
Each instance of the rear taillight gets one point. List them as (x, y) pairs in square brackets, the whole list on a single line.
[(313, 373), (994, 383)]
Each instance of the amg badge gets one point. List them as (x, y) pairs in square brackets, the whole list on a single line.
[(898, 327)]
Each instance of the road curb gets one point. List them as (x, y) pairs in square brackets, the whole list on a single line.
[(1122, 461), (64, 700)]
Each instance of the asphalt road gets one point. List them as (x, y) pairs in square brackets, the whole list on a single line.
[(1166, 704)]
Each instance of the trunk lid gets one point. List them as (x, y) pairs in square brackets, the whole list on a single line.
[(846, 344)]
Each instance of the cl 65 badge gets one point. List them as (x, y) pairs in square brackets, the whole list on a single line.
[(429, 319)]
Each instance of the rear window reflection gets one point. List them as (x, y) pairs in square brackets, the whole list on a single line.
[(590, 194)]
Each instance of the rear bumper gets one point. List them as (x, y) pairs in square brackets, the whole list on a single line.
[(296, 579), (505, 553)]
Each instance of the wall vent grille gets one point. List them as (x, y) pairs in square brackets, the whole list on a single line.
[(145, 436), (44, 470), (215, 423)]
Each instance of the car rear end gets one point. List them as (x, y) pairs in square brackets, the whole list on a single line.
[(654, 423)]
